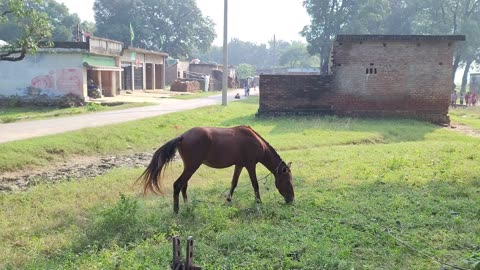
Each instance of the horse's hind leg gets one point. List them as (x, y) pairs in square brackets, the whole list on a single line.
[(236, 174), (181, 184)]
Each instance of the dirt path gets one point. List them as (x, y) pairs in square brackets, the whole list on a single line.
[(30, 129), (73, 170), (464, 129)]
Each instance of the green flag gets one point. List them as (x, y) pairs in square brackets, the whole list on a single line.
[(132, 34)]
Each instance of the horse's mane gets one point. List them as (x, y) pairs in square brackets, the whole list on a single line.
[(269, 146)]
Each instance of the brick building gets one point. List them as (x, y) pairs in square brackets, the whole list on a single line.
[(372, 75)]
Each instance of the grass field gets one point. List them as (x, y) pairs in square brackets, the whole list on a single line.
[(15, 114), (469, 116), (363, 187)]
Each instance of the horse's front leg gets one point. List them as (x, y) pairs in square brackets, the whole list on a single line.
[(236, 175), (253, 178)]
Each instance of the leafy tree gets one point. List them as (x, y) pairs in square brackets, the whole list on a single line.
[(297, 55), (64, 24), (174, 26), (31, 27), (454, 17), (89, 27), (259, 55), (328, 18), (245, 70)]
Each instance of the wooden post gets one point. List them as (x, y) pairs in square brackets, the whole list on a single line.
[(177, 253), (177, 263)]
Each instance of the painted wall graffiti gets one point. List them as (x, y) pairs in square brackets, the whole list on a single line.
[(42, 82), (62, 81)]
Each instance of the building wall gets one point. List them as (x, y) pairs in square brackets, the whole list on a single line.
[(139, 61), (203, 68), (290, 94), (172, 72), (405, 78), (52, 74), (475, 82)]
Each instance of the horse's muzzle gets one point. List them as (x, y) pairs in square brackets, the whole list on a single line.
[(289, 200)]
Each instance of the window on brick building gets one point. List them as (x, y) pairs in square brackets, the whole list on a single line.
[(370, 71)]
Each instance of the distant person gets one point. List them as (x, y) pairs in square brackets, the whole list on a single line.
[(474, 99), (453, 99), (467, 99), (247, 89), (237, 96)]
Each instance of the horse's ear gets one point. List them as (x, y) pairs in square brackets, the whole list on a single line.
[(289, 165)]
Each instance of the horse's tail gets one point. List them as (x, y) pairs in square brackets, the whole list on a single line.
[(152, 174)]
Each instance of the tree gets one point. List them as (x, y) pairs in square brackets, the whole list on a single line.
[(89, 27), (454, 17), (174, 26), (328, 18), (64, 24), (245, 70), (259, 55), (32, 26), (297, 55)]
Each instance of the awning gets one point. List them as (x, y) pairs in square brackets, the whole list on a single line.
[(100, 68)]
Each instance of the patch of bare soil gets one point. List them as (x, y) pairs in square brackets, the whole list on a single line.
[(464, 129), (74, 169)]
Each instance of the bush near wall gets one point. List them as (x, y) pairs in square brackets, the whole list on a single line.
[(67, 101)]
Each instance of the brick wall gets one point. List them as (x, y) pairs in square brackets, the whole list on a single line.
[(403, 78), (295, 93)]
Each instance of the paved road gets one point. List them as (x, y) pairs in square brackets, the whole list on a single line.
[(24, 130)]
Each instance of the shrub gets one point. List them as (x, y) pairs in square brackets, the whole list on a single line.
[(70, 101), (119, 225)]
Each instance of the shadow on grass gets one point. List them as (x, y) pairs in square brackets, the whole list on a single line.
[(390, 130)]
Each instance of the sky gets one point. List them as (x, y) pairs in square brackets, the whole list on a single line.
[(255, 21)]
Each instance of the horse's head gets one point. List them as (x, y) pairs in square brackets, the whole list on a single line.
[(283, 181)]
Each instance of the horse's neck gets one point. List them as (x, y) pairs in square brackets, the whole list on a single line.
[(271, 161)]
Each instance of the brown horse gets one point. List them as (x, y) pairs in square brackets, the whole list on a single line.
[(219, 148)]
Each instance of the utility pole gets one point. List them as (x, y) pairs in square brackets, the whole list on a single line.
[(274, 54), (225, 54)]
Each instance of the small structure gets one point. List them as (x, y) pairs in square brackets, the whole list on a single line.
[(142, 69), (371, 75), (72, 67), (475, 82), (175, 70), (197, 71)]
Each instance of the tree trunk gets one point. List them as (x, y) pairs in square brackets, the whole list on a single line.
[(465, 79), (325, 59), (456, 62)]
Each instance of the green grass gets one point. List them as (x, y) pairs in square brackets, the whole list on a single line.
[(15, 114), (358, 183), (469, 116), (290, 133)]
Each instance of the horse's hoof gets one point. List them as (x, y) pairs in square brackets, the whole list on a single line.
[(229, 199)]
